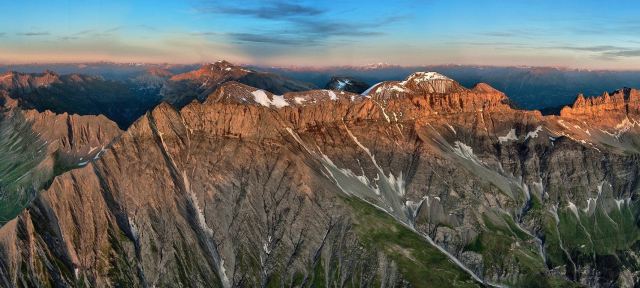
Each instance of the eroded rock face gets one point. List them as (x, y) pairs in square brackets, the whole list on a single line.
[(436, 184), (38, 146), (606, 107)]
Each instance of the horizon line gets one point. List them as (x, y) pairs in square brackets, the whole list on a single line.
[(317, 68)]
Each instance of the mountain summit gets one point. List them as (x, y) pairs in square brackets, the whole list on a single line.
[(196, 85)]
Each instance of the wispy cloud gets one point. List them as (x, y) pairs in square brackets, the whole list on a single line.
[(266, 38), (496, 44), (293, 23), (604, 51), (622, 53), (69, 38), (105, 32), (84, 32), (597, 48), (501, 34), (39, 33), (611, 27), (272, 10), (308, 31), (204, 33)]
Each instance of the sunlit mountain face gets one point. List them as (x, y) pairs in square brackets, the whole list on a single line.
[(315, 144)]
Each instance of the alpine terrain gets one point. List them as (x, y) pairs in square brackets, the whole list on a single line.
[(238, 178)]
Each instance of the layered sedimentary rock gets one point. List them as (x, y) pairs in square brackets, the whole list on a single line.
[(606, 107), (418, 183)]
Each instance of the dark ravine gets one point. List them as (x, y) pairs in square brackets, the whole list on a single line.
[(417, 183)]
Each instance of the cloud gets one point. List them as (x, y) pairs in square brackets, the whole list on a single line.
[(529, 32), (292, 23), (605, 51), (271, 29), (68, 38), (267, 38), (500, 34), (622, 53), (273, 10), (598, 48), (84, 32), (42, 33), (107, 32), (341, 28), (310, 31), (495, 44), (205, 33)]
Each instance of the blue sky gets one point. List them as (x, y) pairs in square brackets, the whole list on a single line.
[(578, 34)]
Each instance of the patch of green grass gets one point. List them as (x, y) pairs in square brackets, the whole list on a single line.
[(503, 245), (21, 151), (602, 233), (420, 263)]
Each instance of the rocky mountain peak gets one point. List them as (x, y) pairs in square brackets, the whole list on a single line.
[(438, 93), (426, 76), (430, 82), (11, 81), (231, 92), (213, 71), (485, 88), (618, 103), (200, 83), (417, 83)]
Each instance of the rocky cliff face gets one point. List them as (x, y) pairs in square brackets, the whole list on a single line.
[(37, 146), (621, 103), (418, 183)]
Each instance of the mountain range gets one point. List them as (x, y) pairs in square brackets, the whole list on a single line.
[(228, 176)]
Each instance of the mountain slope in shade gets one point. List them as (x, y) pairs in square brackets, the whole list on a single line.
[(196, 85), (347, 84), (420, 182), (122, 102), (36, 146)]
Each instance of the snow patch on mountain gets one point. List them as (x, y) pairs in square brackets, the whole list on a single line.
[(511, 136), (343, 83), (534, 133), (332, 95), (425, 76), (261, 98), (366, 92)]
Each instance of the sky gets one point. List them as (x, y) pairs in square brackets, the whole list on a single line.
[(582, 34)]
